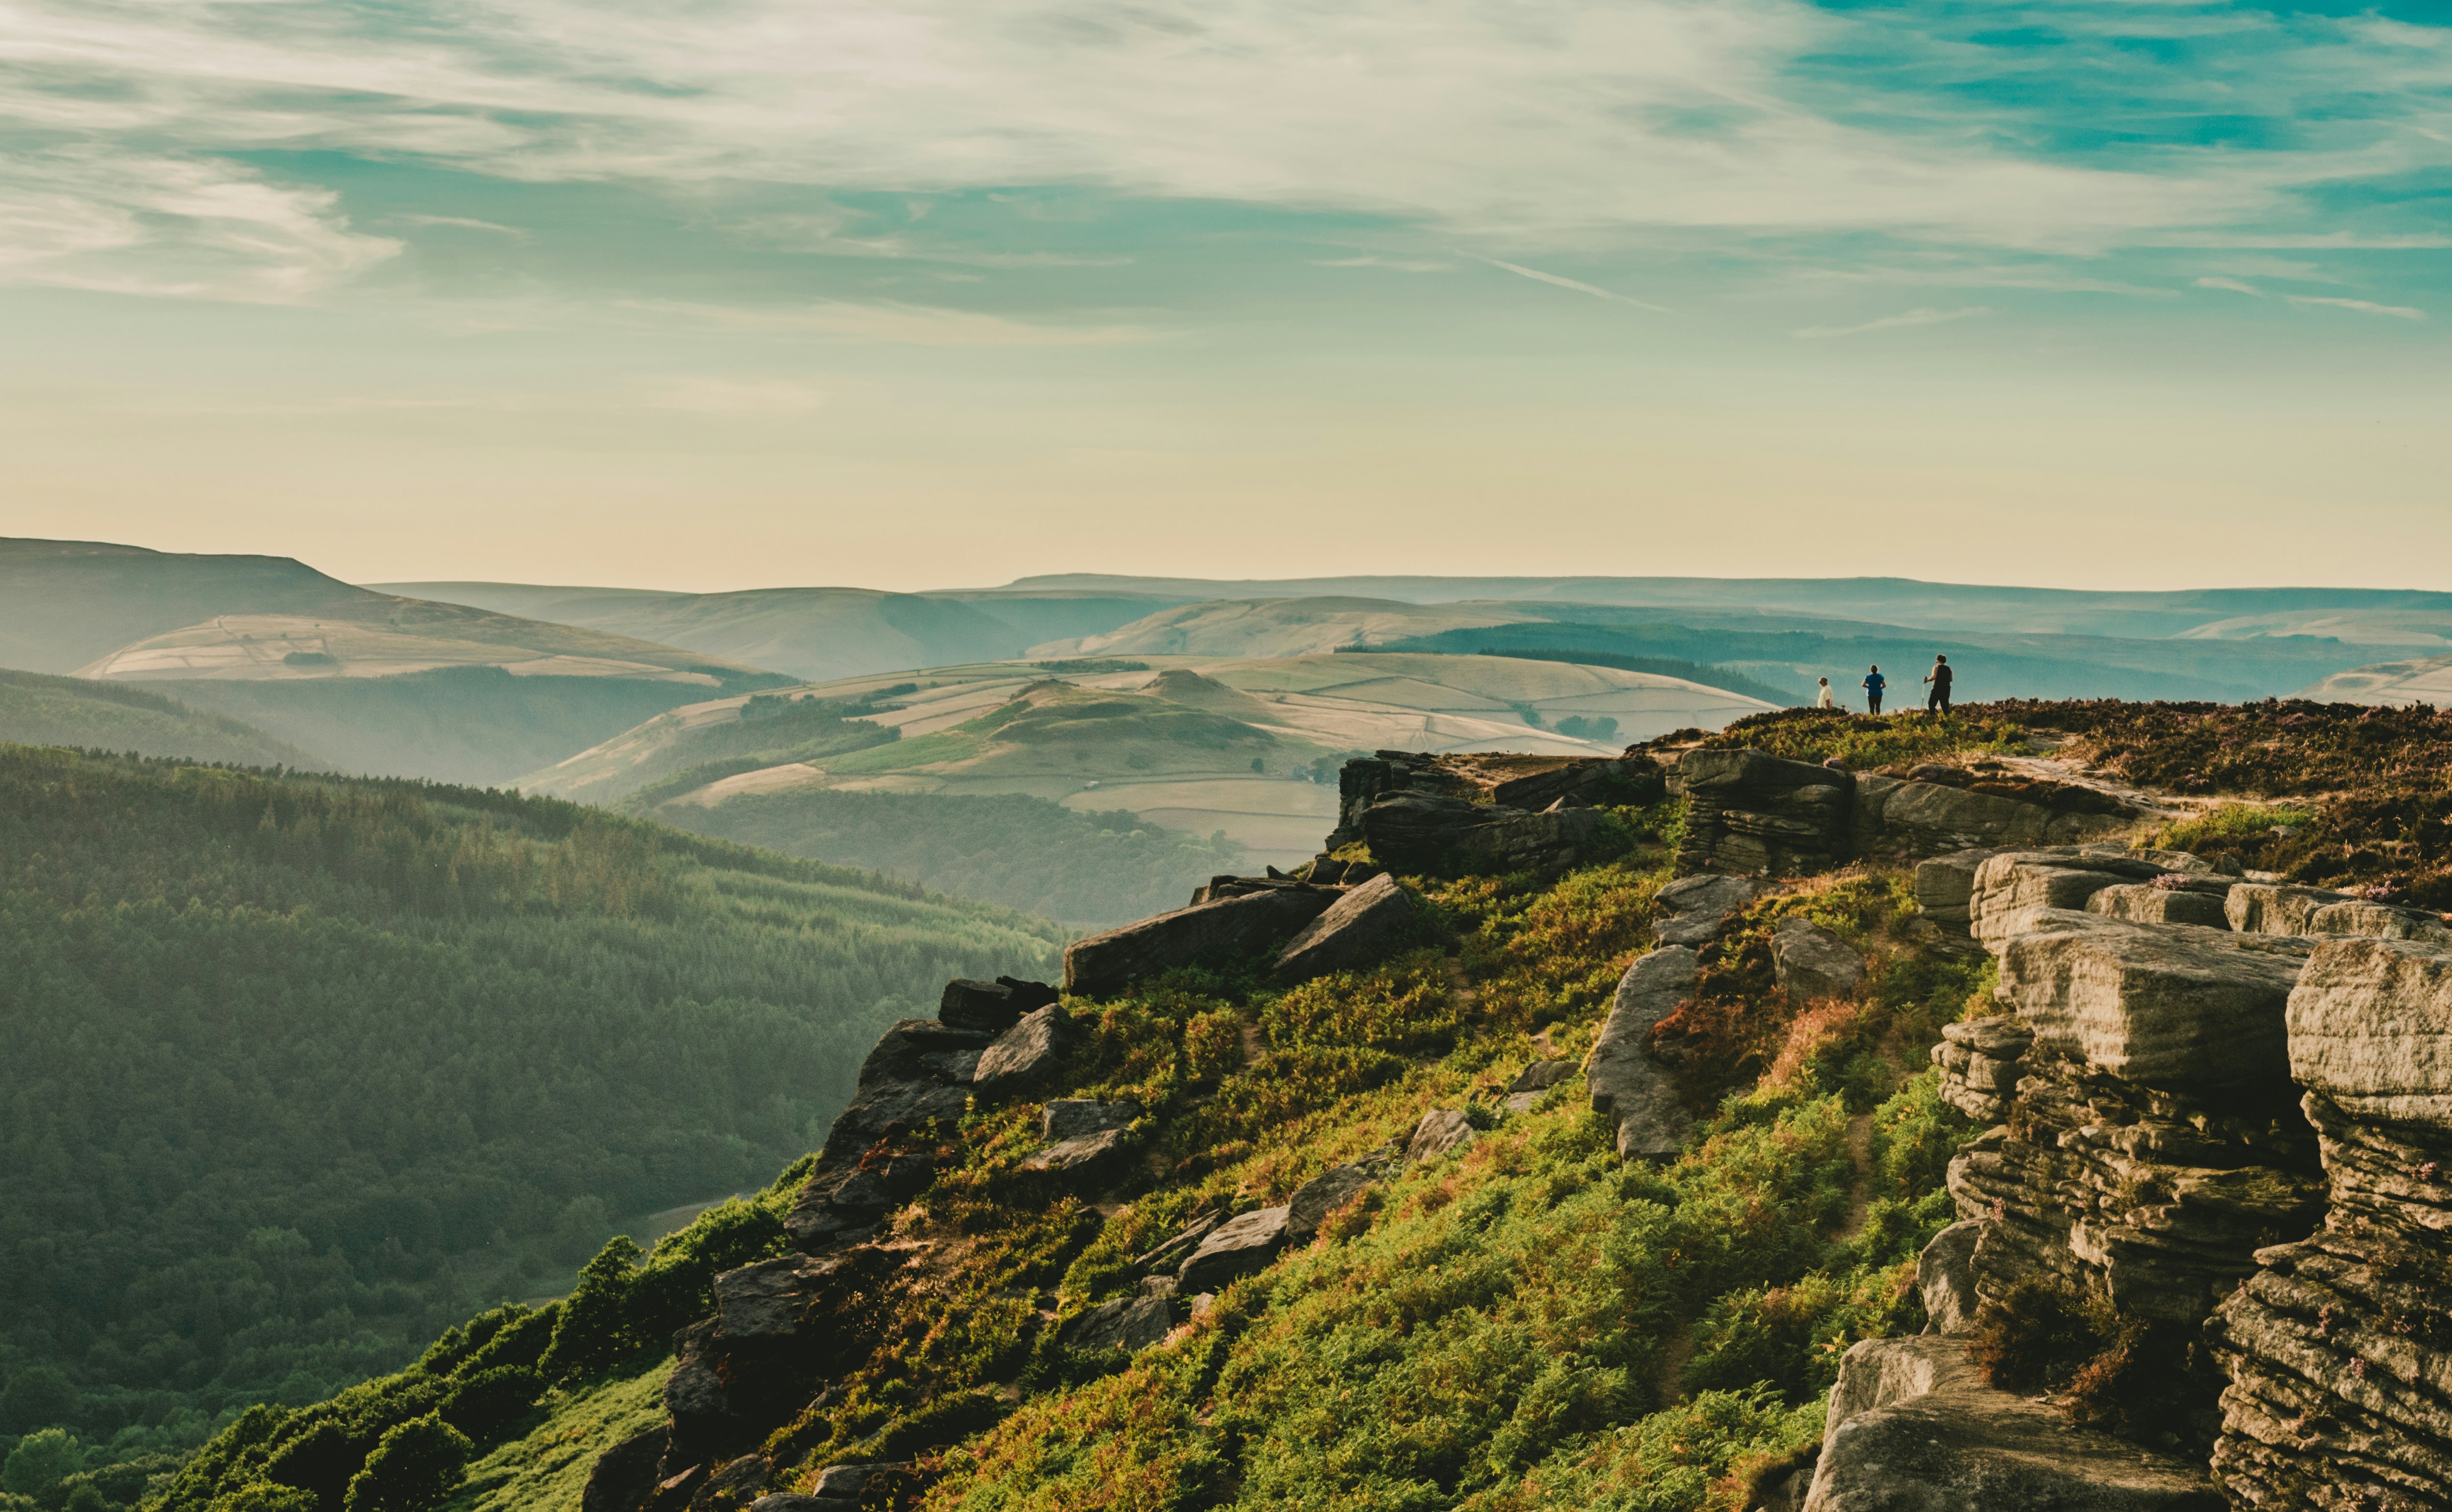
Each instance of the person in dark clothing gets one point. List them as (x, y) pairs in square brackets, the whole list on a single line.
[(1939, 677), (1874, 683)]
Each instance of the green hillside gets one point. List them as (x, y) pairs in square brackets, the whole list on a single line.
[(40, 710), (64, 603), (296, 1071), (1083, 866), (1533, 1324)]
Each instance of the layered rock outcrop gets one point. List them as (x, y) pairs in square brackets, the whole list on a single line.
[(2338, 1351), (1754, 813)]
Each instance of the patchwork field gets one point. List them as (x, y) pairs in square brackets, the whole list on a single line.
[(1243, 745)]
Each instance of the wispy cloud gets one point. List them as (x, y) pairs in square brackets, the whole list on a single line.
[(905, 324), (1915, 317), (461, 223), (1394, 265), (2363, 306), (2235, 286), (1550, 123), (1580, 287)]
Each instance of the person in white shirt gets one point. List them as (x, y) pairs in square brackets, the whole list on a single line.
[(1825, 700)]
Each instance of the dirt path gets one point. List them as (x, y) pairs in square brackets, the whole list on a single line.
[(1860, 1191)]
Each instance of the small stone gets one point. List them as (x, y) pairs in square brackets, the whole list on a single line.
[(1629, 1088), (984, 1006), (1810, 962), (1323, 1194), (1695, 910), (1073, 1117), (1542, 1075), (1089, 1155), (1130, 1324), (1945, 1275), (1237, 1247), (1439, 1131)]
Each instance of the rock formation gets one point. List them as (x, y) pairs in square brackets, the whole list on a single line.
[(1365, 925), (1106, 963), (1629, 1088)]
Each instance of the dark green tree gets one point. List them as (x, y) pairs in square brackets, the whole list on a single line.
[(412, 1470)]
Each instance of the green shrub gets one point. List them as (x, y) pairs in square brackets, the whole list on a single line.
[(411, 1469)]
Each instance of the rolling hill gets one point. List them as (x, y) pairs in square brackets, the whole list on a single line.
[(1246, 746), (1787, 651), (816, 634), (300, 1071), (367, 681), (40, 710), (2388, 684)]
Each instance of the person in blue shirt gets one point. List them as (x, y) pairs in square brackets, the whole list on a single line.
[(1874, 683)]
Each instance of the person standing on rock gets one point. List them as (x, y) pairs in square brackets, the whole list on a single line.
[(1874, 683), (1824, 700), (1939, 677)]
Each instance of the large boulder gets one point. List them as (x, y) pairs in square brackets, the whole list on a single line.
[(1695, 910), (1629, 1088), (1239, 1246), (2173, 1007), (1103, 965), (2370, 1030), (991, 1007), (921, 1050), (2275, 908), (2010, 888), (771, 1299), (1750, 813), (1428, 835), (1027, 1053), (1810, 961), (1363, 927), (623, 1478), (1910, 818), (1913, 1428), (883, 1111)]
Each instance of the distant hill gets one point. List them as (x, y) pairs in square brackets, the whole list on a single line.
[(816, 634), (300, 1071), (367, 681), (63, 603), (1243, 745), (2390, 684), (1907, 601), (40, 710), (1783, 650)]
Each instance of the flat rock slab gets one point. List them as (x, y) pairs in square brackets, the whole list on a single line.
[(1130, 1324), (1810, 962), (1026, 1054), (2145, 903), (2383, 921), (1072, 1117), (768, 1299), (2013, 886), (2271, 908), (1695, 909), (2172, 1007), (1323, 1194), (1363, 927), (1106, 963), (1236, 1249), (1628, 1087), (1913, 1429), (1437, 1132), (2370, 1026)]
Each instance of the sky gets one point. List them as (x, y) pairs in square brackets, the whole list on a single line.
[(928, 293)]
